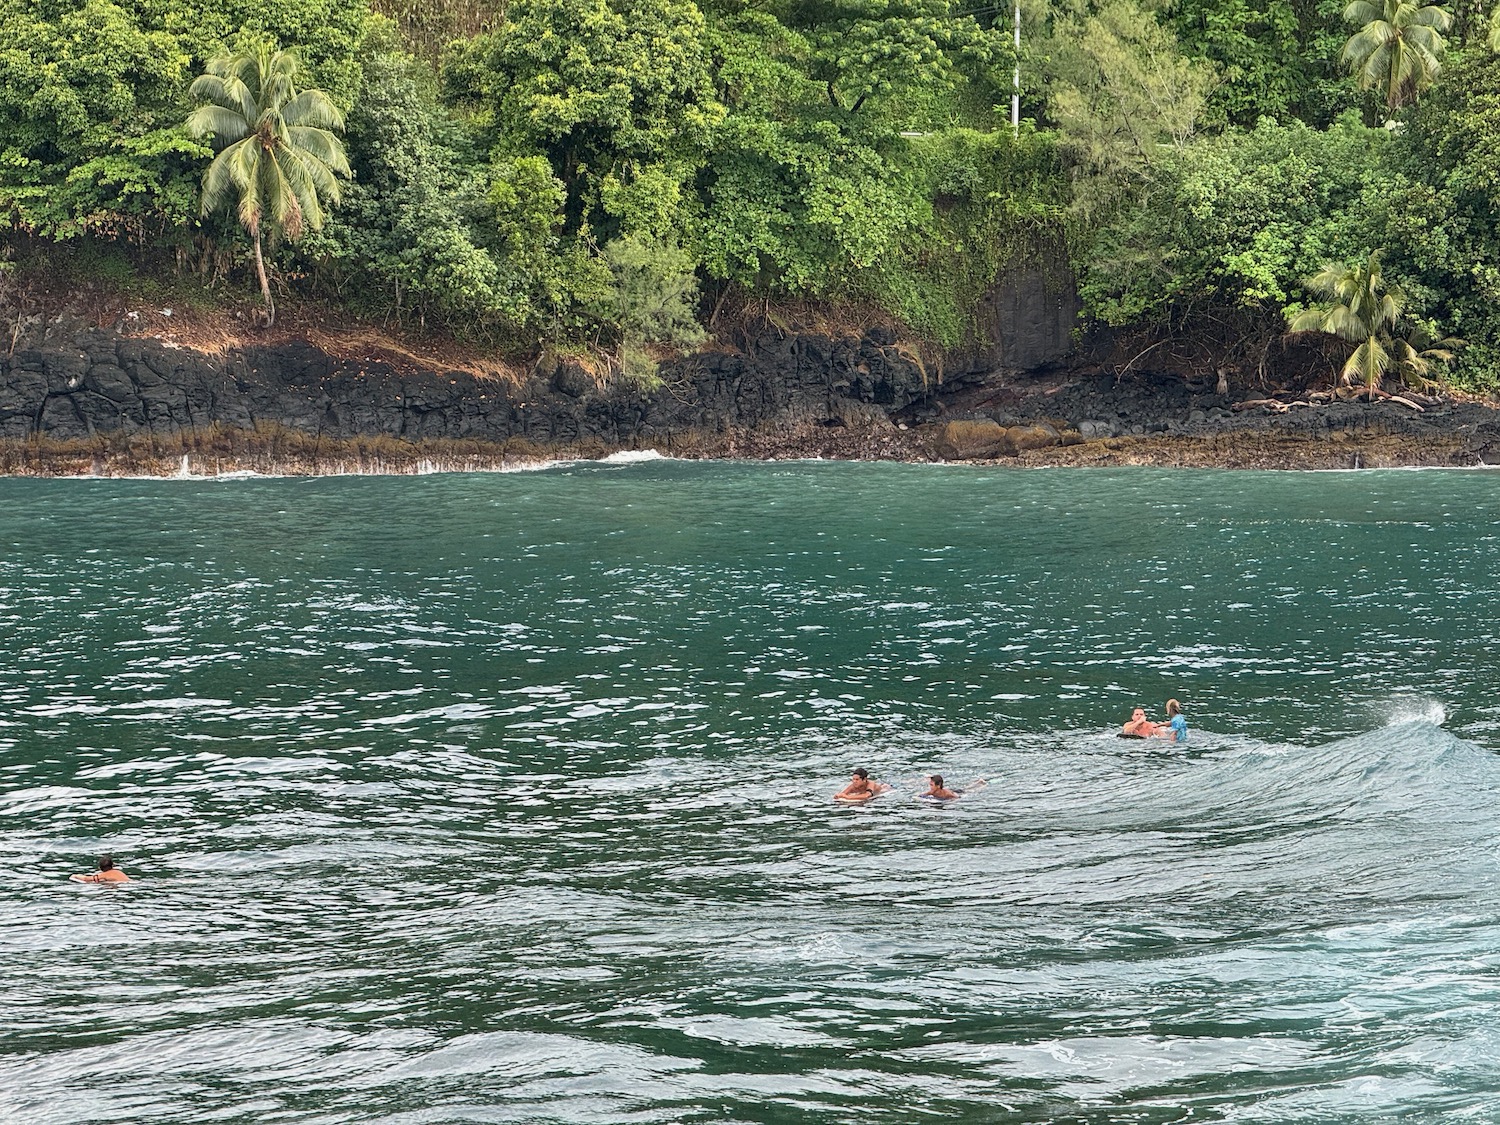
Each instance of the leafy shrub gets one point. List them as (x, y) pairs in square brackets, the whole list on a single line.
[(404, 245), (1236, 222), (90, 133)]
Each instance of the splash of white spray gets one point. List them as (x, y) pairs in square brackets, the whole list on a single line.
[(1412, 709)]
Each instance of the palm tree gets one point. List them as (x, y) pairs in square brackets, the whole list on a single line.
[(277, 156), (1358, 306), (1418, 352), (1398, 47)]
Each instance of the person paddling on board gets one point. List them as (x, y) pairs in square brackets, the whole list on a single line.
[(107, 873), (937, 791), (860, 787), (1139, 726), (1175, 727)]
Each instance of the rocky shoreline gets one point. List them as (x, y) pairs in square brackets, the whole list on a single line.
[(79, 399)]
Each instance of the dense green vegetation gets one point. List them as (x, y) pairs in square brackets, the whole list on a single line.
[(608, 174)]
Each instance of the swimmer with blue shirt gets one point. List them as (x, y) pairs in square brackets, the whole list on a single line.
[(1175, 727)]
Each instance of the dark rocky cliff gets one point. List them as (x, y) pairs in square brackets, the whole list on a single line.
[(79, 382), (78, 398)]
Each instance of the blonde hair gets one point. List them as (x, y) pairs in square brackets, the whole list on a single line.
[(1173, 708)]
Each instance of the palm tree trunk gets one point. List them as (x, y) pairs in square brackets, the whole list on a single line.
[(265, 285)]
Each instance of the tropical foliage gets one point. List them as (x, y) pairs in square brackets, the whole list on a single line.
[(1359, 306), (278, 158), (1232, 225), (1398, 49), (408, 242), (1269, 57), (1439, 212), (89, 128), (610, 175)]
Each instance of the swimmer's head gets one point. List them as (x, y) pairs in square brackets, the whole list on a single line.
[(1173, 708), (862, 773), (936, 779), (105, 863), (1138, 713)]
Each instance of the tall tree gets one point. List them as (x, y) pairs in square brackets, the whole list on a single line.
[(90, 136), (604, 89), (1124, 96), (1398, 48), (1276, 58), (1359, 305), (898, 54), (277, 155)]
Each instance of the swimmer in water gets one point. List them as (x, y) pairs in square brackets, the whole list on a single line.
[(937, 791), (1139, 726), (107, 873), (861, 788), (1175, 727)]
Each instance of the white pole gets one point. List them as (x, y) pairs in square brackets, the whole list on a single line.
[(1015, 97)]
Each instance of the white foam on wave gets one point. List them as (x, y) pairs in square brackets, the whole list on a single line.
[(420, 469), (1364, 470), (1412, 709), (631, 457), (821, 947)]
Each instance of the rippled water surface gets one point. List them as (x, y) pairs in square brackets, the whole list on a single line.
[(507, 798)]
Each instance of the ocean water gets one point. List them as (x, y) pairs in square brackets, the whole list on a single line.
[(506, 798)]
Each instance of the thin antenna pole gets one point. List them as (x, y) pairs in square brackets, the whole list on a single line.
[(1015, 97)]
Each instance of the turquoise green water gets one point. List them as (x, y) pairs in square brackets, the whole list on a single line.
[(506, 798)]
